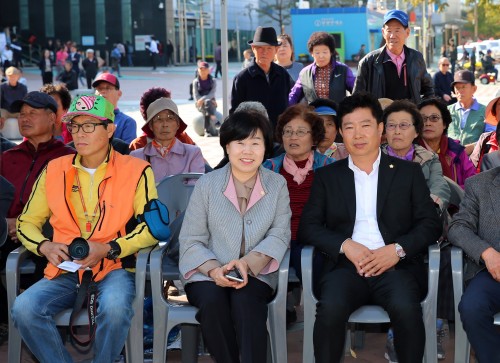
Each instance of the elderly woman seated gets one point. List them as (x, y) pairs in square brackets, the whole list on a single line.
[(166, 154), (299, 130), (238, 218), (403, 124), (454, 160)]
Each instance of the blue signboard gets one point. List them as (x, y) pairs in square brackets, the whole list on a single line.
[(358, 26)]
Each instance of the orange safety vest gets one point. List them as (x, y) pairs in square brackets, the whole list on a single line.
[(115, 210)]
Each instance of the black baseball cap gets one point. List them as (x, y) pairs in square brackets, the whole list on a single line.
[(463, 76), (35, 99)]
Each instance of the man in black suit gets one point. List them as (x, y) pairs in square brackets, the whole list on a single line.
[(372, 218)]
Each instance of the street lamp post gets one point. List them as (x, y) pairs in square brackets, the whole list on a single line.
[(202, 31)]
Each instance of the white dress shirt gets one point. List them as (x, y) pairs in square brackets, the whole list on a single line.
[(366, 229)]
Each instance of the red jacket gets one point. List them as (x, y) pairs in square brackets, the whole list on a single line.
[(22, 164)]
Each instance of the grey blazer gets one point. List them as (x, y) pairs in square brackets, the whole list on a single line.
[(476, 226), (213, 227)]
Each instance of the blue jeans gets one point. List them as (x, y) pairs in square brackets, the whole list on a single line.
[(480, 301), (34, 309)]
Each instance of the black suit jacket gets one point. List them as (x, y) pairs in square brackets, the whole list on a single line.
[(405, 211)]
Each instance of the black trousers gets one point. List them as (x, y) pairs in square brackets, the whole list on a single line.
[(343, 291), (47, 77), (233, 322), (218, 69)]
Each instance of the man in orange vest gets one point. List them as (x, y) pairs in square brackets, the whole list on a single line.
[(92, 195)]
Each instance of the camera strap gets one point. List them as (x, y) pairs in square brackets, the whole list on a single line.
[(87, 293)]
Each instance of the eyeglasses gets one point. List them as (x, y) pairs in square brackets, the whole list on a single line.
[(88, 127), (431, 118), (402, 126), (161, 119), (446, 64), (300, 133)]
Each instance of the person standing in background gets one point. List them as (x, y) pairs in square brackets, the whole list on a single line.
[(45, 66), (153, 50), (442, 81), (395, 71), (285, 57), (115, 60), (473, 61), (130, 52), (169, 51), (90, 66), (218, 60), (452, 54)]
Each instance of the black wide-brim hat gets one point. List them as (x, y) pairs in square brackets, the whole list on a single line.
[(265, 36)]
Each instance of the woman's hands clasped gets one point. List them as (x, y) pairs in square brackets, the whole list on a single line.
[(218, 274)]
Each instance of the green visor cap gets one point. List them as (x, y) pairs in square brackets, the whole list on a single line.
[(91, 105)]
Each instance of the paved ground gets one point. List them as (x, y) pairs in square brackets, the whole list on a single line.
[(134, 82)]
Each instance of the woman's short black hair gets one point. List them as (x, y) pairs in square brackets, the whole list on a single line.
[(406, 106), (322, 38), (441, 106), (305, 113), (359, 100), (242, 124)]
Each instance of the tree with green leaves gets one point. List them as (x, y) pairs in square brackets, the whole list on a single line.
[(487, 19)]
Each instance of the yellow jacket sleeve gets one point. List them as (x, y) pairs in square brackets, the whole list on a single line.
[(140, 237), (35, 213)]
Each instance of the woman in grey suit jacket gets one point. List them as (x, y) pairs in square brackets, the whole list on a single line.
[(238, 218)]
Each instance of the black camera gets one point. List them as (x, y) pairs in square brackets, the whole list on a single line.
[(79, 248)]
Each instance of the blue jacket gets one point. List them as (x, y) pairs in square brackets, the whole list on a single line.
[(275, 164), (126, 127)]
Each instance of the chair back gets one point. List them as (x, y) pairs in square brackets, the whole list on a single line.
[(174, 191), (457, 193)]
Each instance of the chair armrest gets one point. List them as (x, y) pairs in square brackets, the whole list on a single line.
[(306, 260), (281, 292), (462, 346), (434, 265), (136, 327), (457, 275), (310, 301), (13, 272), (156, 271), (429, 305)]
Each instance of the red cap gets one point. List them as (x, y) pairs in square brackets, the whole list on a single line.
[(106, 77)]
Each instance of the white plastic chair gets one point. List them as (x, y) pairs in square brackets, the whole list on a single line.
[(370, 314), (167, 315), (174, 191), (462, 345), (16, 266)]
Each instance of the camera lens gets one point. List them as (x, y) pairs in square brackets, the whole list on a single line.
[(79, 248)]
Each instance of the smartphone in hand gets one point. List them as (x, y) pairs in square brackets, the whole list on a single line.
[(234, 275)]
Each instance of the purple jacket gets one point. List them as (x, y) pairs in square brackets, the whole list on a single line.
[(460, 164), (182, 158)]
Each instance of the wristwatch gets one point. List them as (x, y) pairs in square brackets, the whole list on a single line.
[(115, 250), (400, 251)]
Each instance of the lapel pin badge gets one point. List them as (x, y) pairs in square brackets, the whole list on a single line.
[(391, 166)]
